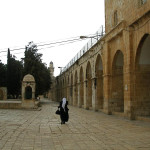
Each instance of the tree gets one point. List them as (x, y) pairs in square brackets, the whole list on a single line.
[(14, 76), (3, 71), (33, 65)]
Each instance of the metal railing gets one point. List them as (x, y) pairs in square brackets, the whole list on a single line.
[(93, 40)]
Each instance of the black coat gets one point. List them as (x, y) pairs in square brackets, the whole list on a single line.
[(64, 113)]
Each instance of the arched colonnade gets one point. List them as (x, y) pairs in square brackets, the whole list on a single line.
[(114, 81)]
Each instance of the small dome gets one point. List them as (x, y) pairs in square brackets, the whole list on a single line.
[(51, 62), (28, 77)]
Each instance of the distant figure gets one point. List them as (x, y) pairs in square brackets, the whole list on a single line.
[(64, 116), (38, 98)]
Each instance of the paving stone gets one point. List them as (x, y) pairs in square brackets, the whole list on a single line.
[(86, 130)]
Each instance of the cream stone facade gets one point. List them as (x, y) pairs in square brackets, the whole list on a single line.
[(113, 76)]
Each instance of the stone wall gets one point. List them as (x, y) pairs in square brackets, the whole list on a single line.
[(114, 73), (3, 93)]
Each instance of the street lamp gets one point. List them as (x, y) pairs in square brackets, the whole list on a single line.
[(61, 69), (85, 37)]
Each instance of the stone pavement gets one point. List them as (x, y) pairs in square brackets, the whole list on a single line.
[(86, 130)]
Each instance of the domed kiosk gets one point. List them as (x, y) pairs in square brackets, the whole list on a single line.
[(28, 91)]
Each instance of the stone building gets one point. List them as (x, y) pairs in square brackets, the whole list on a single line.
[(113, 76), (3, 93), (28, 91), (51, 92)]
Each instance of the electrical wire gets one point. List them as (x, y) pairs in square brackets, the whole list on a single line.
[(51, 43), (71, 41)]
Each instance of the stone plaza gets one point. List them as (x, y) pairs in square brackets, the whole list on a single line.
[(40, 129)]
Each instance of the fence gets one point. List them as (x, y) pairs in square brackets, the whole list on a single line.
[(93, 40)]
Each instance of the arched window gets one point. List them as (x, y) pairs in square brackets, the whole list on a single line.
[(143, 2)]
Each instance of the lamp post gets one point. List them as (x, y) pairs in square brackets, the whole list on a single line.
[(85, 37), (61, 69)]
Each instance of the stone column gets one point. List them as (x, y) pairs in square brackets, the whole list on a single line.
[(94, 104), (79, 101), (107, 79), (85, 95), (129, 101)]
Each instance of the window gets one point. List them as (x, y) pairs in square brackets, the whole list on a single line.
[(142, 2), (115, 18)]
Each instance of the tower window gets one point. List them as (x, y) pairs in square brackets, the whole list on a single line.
[(115, 18)]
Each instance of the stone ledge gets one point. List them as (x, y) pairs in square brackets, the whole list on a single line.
[(142, 118)]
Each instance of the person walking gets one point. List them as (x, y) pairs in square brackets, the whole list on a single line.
[(64, 116)]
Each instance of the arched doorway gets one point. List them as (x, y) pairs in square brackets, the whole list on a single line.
[(142, 77), (76, 89), (99, 83), (81, 103), (1, 95), (117, 102), (28, 92), (89, 86)]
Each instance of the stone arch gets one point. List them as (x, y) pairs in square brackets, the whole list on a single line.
[(99, 83), (28, 85), (75, 89), (28, 91), (68, 80), (117, 89), (88, 86), (142, 77), (81, 102)]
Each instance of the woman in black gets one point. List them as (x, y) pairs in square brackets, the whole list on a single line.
[(64, 116)]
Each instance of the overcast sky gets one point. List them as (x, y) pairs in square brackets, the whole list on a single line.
[(22, 21)]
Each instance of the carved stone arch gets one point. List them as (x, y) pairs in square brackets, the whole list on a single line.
[(98, 65), (141, 50), (68, 81), (81, 81), (81, 75), (98, 83), (28, 91), (75, 77), (88, 86), (88, 71), (142, 77), (63, 82), (117, 86)]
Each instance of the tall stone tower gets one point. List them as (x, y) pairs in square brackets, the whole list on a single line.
[(51, 68), (51, 93)]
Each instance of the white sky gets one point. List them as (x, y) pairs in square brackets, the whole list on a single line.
[(22, 21)]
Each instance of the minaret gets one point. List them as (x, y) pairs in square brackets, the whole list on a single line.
[(51, 93), (51, 68)]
